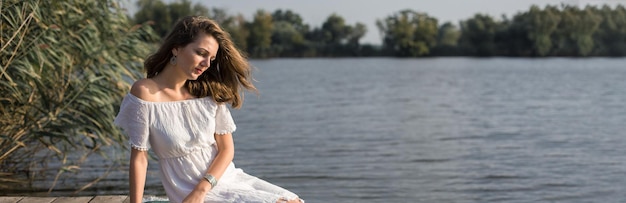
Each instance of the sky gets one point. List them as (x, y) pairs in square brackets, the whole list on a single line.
[(315, 12)]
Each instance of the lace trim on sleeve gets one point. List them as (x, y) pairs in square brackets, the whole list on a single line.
[(143, 149), (224, 132)]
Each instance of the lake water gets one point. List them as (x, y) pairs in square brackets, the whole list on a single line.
[(433, 130)]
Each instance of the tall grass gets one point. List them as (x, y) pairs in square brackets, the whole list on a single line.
[(65, 66)]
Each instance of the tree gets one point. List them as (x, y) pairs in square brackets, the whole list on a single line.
[(286, 40), (541, 24), (292, 18), (260, 39), (288, 35), (611, 35), (156, 12), (408, 33), (65, 67), (234, 25), (575, 31), (447, 40), (336, 38), (333, 34), (335, 30), (163, 16), (355, 34), (238, 30), (182, 8), (448, 35), (516, 34), (478, 35)]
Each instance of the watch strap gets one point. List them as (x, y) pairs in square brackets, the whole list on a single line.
[(211, 179)]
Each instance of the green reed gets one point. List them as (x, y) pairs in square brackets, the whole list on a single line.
[(65, 66)]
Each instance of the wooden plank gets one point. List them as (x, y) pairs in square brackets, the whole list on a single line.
[(108, 199), (72, 200), (38, 199), (10, 199), (86, 199)]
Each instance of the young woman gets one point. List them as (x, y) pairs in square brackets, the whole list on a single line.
[(180, 112)]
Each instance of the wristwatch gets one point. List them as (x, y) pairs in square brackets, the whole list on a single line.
[(211, 179)]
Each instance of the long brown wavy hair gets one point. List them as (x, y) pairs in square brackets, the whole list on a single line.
[(228, 72)]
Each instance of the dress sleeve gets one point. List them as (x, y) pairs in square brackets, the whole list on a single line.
[(133, 118), (224, 122)]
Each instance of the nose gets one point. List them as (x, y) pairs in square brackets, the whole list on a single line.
[(205, 63)]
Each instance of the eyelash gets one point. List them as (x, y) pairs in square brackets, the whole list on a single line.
[(203, 54)]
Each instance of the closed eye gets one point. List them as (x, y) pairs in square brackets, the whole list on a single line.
[(202, 53)]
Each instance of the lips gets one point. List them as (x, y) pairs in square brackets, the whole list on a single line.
[(198, 71)]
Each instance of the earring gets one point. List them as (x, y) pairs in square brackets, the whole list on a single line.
[(173, 60)]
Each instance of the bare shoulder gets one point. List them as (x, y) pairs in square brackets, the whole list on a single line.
[(144, 89)]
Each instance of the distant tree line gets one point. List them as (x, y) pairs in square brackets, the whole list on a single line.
[(551, 31)]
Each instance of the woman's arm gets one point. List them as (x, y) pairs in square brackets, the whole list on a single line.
[(137, 174), (225, 154)]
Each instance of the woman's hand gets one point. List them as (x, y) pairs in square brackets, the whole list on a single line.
[(198, 193), (196, 196)]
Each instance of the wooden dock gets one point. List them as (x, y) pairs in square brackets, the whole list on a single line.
[(85, 199), (88, 199)]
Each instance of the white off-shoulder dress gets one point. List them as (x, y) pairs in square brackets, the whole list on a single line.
[(181, 134)]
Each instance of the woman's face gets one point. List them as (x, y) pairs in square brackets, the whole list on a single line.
[(196, 57)]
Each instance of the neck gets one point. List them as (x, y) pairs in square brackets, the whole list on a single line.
[(171, 79)]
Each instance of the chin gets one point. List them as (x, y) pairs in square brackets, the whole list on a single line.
[(193, 78)]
